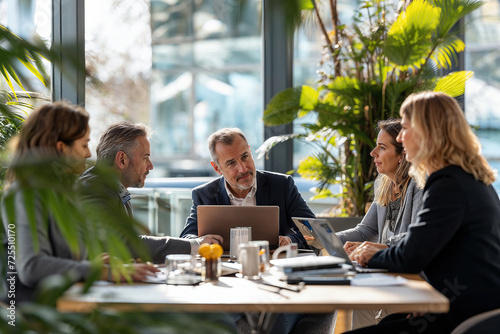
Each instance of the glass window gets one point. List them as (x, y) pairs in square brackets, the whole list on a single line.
[(206, 75), (482, 94), (118, 54)]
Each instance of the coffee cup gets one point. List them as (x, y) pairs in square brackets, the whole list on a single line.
[(264, 255), (250, 261), (292, 250)]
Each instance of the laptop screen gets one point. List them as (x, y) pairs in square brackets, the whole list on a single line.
[(326, 235), (219, 219)]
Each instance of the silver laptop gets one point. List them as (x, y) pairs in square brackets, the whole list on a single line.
[(219, 219), (325, 232)]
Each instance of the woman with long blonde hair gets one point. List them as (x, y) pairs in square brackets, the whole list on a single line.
[(455, 242)]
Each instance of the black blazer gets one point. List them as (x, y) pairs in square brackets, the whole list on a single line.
[(455, 242), (272, 189)]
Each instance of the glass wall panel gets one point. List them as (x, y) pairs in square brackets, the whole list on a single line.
[(482, 94), (118, 55), (206, 75)]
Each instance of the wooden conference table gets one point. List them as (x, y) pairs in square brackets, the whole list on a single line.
[(233, 294)]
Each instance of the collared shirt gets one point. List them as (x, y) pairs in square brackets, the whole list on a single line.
[(125, 196), (249, 200)]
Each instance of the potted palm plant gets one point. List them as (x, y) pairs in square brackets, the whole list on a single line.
[(373, 64)]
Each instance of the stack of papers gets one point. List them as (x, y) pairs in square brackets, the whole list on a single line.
[(377, 280), (313, 270), (307, 263)]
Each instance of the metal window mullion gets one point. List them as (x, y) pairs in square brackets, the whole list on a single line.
[(68, 38), (277, 62)]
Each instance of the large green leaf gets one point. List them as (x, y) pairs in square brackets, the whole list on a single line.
[(408, 41), (454, 83), (290, 104)]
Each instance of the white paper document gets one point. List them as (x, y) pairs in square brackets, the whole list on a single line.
[(377, 279)]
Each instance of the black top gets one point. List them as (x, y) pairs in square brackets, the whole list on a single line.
[(455, 242)]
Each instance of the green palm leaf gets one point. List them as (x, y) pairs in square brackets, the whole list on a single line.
[(16, 50), (408, 41), (451, 12), (454, 84), (446, 52)]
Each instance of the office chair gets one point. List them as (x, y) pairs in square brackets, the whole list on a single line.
[(483, 323)]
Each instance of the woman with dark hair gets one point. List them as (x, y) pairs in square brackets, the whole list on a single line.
[(396, 204), (49, 154), (455, 242)]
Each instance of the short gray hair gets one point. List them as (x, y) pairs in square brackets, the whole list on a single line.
[(118, 137), (225, 136)]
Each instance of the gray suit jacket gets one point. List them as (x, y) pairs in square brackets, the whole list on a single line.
[(158, 247), (53, 255), (372, 225)]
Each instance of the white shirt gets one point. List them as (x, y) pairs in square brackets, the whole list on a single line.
[(249, 200)]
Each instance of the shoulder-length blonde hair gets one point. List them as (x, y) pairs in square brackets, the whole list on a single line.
[(444, 136), (384, 186)]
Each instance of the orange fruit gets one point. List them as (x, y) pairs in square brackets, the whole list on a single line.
[(204, 251), (216, 251)]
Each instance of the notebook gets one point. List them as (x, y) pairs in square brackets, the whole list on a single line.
[(325, 232), (219, 219)]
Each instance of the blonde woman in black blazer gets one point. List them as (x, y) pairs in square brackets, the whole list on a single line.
[(455, 241)]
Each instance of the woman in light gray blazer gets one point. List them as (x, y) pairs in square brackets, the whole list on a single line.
[(396, 205), (373, 223)]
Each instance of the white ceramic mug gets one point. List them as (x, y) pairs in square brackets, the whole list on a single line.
[(292, 250), (250, 260)]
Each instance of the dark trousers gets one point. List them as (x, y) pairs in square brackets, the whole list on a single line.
[(400, 323)]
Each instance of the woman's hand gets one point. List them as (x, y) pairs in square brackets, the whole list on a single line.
[(350, 246), (365, 252), (284, 240)]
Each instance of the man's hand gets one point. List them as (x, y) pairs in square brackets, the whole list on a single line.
[(365, 252), (140, 271), (285, 240), (350, 246), (137, 272), (210, 239)]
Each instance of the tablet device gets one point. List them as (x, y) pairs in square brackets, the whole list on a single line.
[(331, 242), (219, 219)]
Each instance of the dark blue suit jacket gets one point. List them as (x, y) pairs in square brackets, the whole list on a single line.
[(272, 189)]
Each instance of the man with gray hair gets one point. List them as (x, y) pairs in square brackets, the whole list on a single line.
[(125, 148), (241, 184)]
